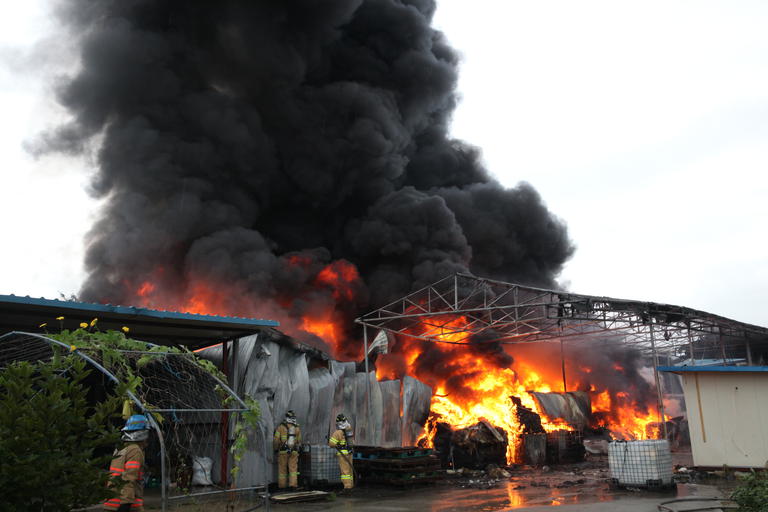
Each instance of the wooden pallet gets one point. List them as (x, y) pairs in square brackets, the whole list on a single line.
[(397, 473), (299, 496), (374, 452), (411, 475), (400, 463), (404, 479)]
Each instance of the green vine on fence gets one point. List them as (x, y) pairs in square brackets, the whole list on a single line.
[(112, 347), (248, 421)]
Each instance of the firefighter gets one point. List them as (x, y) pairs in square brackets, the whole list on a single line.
[(286, 444), (342, 439), (128, 464)]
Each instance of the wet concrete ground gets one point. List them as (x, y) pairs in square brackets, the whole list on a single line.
[(445, 499), (582, 487), (504, 497), (592, 498), (533, 491)]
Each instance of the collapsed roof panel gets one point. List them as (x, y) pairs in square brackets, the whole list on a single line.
[(464, 309)]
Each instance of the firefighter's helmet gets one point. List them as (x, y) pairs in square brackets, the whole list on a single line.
[(136, 422), (342, 423), (290, 417)]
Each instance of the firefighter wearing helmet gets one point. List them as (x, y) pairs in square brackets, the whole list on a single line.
[(127, 464), (342, 439), (286, 443)]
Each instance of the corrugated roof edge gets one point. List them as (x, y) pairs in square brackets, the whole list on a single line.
[(132, 310), (720, 369), (287, 340)]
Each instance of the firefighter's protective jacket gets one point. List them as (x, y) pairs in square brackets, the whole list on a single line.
[(339, 441), (342, 441), (282, 439), (128, 464)]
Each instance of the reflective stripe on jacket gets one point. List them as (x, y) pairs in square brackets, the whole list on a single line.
[(338, 441), (128, 464), (281, 438)]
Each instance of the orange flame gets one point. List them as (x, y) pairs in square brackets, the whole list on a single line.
[(326, 329), (492, 386), (624, 417), (339, 276), (601, 402), (320, 306), (205, 300), (145, 289)]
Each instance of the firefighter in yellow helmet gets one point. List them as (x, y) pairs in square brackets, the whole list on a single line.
[(128, 464), (286, 443), (342, 439)]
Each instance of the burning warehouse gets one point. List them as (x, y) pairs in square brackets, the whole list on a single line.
[(536, 361), (195, 428), (285, 160), (484, 372), (292, 161)]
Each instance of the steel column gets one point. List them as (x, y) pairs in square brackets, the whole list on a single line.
[(690, 347), (722, 346), (266, 468), (456, 292), (235, 379), (659, 395), (224, 431), (562, 362), (367, 385)]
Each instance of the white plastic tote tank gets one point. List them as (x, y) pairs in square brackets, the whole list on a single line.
[(640, 463)]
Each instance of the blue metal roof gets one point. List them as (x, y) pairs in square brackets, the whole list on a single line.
[(717, 369), (729, 361), (131, 310), (28, 313)]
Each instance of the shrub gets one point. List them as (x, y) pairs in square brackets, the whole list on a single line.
[(752, 494), (55, 445)]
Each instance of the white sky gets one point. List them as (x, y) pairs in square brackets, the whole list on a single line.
[(644, 125), (44, 208)]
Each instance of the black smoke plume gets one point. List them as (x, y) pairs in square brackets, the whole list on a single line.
[(243, 146)]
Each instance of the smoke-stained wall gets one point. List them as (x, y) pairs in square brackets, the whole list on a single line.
[(276, 374), (246, 147)]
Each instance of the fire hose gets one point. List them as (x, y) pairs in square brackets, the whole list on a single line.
[(349, 457), (707, 503)]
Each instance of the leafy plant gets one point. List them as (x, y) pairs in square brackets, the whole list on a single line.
[(112, 347), (248, 421), (752, 494), (55, 445)]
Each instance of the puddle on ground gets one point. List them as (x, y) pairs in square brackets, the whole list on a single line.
[(514, 494), (526, 489)]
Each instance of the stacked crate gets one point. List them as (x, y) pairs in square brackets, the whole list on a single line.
[(396, 466), (565, 446)]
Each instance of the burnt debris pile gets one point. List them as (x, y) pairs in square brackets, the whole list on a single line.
[(473, 447), (478, 445)]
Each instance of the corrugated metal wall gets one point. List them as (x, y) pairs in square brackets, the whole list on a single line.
[(277, 376)]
